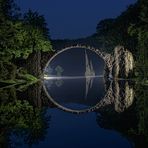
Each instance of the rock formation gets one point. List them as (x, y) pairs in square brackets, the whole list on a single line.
[(123, 64)]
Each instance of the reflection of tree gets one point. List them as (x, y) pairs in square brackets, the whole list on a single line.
[(20, 117), (36, 130), (131, 122), (142, 111)]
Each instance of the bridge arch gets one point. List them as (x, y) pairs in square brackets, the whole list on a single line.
[(115, 96), (107, 58), (109, 61), (103, 102)]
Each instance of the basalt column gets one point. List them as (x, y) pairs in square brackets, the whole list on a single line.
[(123, 63)]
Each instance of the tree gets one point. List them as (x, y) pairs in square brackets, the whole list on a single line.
[(113, 32), (37, 22), (140, 31), (8, 9), (20, 37)]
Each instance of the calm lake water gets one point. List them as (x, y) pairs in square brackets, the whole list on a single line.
[(70, 109), (38, 122), (72, 93)]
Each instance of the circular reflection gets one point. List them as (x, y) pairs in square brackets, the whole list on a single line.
[(73, 79)]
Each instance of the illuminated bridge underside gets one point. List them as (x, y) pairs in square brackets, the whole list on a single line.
[(108, 58)]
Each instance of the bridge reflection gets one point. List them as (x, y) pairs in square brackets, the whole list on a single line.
[(119, 95), (74, 83)]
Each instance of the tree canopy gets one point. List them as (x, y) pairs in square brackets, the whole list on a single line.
[(21, 35)]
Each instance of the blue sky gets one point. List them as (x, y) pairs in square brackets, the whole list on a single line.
[(74, 18)]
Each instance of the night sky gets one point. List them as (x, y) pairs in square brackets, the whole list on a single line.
[(74, 18)]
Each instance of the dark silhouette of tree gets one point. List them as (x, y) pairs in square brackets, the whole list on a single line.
[(36, 21), (9, 9), (132, 123), (140, 31), (20, 118)]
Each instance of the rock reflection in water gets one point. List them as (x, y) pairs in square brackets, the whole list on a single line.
[(116, 110), (119, 94)]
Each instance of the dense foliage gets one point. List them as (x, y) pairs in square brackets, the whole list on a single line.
[(20, 36), (130, 29)]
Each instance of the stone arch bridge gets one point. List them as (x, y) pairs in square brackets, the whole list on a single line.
[(119, 64), (108, 58)]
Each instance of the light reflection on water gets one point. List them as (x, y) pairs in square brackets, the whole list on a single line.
[(73, 91), (61, 128), (43, 124)]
